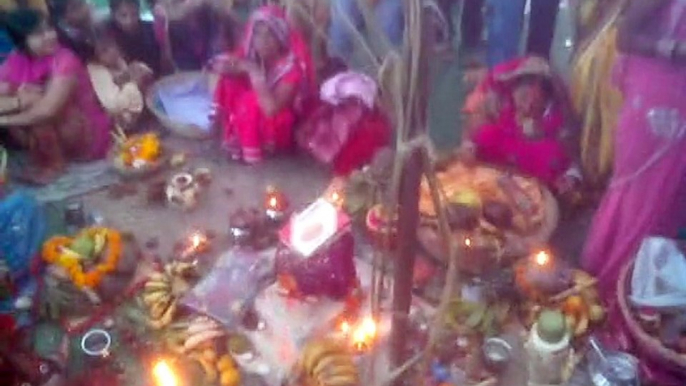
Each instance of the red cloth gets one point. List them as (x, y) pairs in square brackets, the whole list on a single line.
[(347, 135), (371, 134), (247, 129)]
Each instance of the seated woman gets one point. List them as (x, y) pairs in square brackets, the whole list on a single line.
[(118, 84), (519, 120), (136, 38), (261, 86), (73, 21), (47, 100), (349, 127)]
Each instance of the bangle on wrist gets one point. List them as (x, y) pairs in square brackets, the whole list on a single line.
[(666, 48)]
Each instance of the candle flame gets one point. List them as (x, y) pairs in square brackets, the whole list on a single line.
[(468, 242), (273, 202), (335, 196), (164, 375), (542, 258), (364, 334)]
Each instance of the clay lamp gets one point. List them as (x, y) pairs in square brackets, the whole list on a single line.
[(275, 204)]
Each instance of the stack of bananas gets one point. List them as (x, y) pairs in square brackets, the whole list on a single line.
[(326, 363), (197, 340), (162, 291)]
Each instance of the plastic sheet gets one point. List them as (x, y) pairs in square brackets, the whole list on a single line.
[(659, 275), (189, 102), (233, 284)]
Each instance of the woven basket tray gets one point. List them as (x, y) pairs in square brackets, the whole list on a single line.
[(180, 129), (647, 343)]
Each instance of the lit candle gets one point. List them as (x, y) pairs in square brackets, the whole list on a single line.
[(542, 259), (275, 204), (364, 334), (164, 374), (197, 243)]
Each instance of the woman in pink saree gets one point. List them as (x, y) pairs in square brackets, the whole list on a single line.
[(262, 86), (647, 193), (47, 101)]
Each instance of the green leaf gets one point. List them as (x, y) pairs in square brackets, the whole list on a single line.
[(476, 316)]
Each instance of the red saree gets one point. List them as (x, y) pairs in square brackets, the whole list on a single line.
[(502, 139)]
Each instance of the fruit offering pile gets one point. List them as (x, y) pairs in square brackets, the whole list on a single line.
[(138, 151), (162, 291), (326, 362)]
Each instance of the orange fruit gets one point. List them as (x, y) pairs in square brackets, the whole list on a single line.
[(574, 305)]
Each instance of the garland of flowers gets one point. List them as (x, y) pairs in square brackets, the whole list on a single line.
[(54, 253)]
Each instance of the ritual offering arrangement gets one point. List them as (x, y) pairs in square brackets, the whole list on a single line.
[(325, 362), (315, 257), (137, 155), (492, 199), (97, 262)]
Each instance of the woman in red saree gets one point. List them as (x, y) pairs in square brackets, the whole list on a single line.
[(521, 122), (262, 86)]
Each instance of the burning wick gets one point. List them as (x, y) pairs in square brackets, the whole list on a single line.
[(197, 244), (542, 258), (364, 334), (468, 242), (273, 202), (164, 375)]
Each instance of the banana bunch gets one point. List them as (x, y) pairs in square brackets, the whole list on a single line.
[(584, 308), (326, 363), (162, 290), (217, 368)]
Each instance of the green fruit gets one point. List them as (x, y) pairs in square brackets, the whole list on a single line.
[(551, 326), (467, 198), (83, 245)]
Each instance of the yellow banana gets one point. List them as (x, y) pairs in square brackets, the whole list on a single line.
[(328, 364), (157, 276), (99, 240), (343, 380), (157, 285), (70, 254), (165, 318), (158, 308), (153, 297), (316, 351), (211, 372)]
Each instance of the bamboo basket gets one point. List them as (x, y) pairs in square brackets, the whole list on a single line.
[(647, 344), (153, 104)]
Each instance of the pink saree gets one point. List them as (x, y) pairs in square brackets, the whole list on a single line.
[(247, 130), (647, 193), (82, 118)]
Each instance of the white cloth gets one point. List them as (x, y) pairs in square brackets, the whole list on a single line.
[(115, 99), (349, 85)]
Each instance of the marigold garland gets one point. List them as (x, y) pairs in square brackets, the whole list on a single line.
[(54, 253)]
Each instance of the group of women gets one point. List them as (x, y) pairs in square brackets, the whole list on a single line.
[(69, 79)]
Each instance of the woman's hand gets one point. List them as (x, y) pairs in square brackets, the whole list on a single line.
[(29, 95), (225, 64), (140, 73)]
